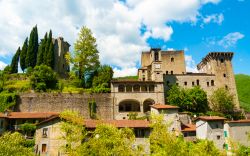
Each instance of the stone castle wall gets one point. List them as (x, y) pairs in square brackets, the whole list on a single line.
[(56, 102)]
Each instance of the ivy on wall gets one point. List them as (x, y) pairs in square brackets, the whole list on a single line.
[(92, 109), (7, 100)]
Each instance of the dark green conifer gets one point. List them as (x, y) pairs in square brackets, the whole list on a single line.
[(32, 49), (14, 62), (50, 51), (41, 56), (23, 54)]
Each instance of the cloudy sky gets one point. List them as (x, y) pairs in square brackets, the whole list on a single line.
[(124, 28)]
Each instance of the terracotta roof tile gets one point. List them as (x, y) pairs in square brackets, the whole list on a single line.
[(118, 123), (162, 106), (188, 127), (210, 118), (29, 115), (240, 121)]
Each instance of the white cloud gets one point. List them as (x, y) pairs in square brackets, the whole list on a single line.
[(115, 24), (214, 18), (190, 64), (125, 72), (2, 65), (230, 39)]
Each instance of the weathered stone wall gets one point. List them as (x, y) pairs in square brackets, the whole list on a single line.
[(56, 102)]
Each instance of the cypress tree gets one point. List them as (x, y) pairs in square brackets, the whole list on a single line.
[(41, 51), (23, 54), (14, 62), (50, 51), (32, 49)]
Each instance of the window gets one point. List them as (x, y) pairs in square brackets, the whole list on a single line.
[(158, 73), (221, 60), (136, 88), (185, 83), (44, 148), (172, 59), (143, 79), (156, 56), (143, 71), (193, 83), (218, 137), (166, 72), (45, 132), (1, 123), (226, 87), (121, 88), (198, 82), (128, 88), (144, 88), (224, 75), (212, 82), (151, 88), (177, 84), (172, 72), (208, 84), (140, 133)]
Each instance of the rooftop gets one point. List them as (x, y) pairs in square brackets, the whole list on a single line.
[(162, 106), (188, 127), (210, 118), (28, 115), (239, 121)]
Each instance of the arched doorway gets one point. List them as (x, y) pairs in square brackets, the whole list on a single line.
[(129, 106), (146, 105)]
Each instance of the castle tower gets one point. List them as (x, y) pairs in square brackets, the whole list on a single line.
[(61, 47), (219, 63)]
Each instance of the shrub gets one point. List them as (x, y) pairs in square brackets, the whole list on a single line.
[(7, 100)]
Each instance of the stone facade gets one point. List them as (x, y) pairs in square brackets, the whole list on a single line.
[(46, 102), (61, 47)]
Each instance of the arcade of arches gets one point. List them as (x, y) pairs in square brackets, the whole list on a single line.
[(134, 105)]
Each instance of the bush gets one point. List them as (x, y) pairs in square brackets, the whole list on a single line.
[(7, 100), (43, 78)]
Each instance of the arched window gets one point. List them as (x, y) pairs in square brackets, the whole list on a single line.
[(144, 88), (121, 88), (212, 82), (128, 88), (172, 59), (151, 88), (129, 106), (198, 82), (166, 72), (172, 72), (136, 88), (146, 105)]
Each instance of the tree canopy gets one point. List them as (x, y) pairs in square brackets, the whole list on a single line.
[(31, 56), (14, 62), (23, 54)]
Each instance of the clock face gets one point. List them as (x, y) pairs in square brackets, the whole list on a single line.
[(157, 66)]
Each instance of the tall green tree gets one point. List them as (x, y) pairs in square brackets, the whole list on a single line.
[(103, 77), (31, 56), (86, 55), (14, 62), (41, 56), (49, 51), (23, 54)]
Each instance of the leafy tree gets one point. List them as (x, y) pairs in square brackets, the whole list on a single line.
[(28, 128), (23, 54), (73, 130), (7, 100), (41, 56), (32, 49), (193, 100), (42, 78), (103, 77), (13, 144), (222, 101), (7, 69), (14, 62), (86, 55)]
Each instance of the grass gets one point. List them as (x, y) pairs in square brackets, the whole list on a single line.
[(243, 89), (127, 77)]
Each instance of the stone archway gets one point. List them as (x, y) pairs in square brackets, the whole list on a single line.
[(146, 105), (129, 106)]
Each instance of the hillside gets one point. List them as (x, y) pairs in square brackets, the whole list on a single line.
[(243, 89)]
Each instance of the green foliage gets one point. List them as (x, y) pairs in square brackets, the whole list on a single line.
[(7, 100), (50, 51), (73, 130), (23, 54), (127, 77), (43, 78), (163, 142), (193, 100), (86, 55), (7, 69), (28, 128), (92, 109), (41, 56), (242, 150), (31, 56), (14, 62), (29, 143), (103, 77), (13, 144), (243, 89), (108, 140), (132, 115), (222, 101)]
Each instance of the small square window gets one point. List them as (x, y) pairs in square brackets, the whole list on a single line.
[(193, 83), (224, 75), (45, 132), (218, 137), (185, 83)]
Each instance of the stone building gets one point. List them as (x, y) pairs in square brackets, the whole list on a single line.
[(61, 47), (211, 128)]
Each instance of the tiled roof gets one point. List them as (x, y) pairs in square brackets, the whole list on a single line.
[(118, 123), (188, 127), (240, 121), (211, 118), (28, 115), (162, 106)]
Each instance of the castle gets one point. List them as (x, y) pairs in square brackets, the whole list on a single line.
[(161, 69)]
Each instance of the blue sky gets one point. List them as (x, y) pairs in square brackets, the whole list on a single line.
[(125, 28)]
